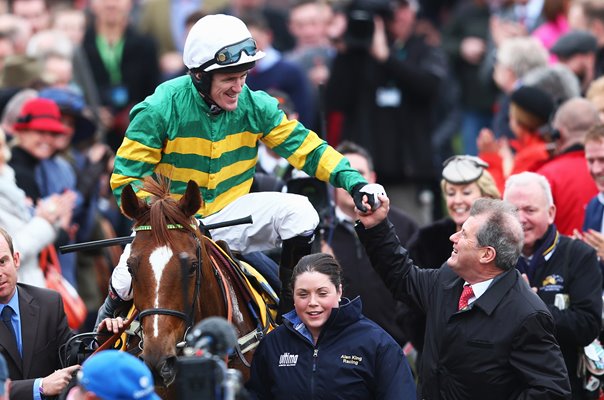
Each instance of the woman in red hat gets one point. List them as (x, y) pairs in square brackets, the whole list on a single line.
[(37, 125)]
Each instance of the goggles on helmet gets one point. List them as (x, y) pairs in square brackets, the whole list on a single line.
[(231, 54)]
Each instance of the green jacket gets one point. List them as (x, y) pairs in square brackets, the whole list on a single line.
[(172, 132)]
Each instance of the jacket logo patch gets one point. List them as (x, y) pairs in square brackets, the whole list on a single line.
[(288, 360), (552, 283), (351, 359)]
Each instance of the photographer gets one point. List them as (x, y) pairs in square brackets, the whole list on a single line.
[(383, 87)]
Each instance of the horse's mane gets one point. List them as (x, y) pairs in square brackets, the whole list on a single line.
[(163, 211)]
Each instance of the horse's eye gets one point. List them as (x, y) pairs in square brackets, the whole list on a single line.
[(193, 268)]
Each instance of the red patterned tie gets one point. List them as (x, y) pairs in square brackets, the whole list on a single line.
[(466, 294)]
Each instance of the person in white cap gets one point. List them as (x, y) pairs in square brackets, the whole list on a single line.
[(207, 126)]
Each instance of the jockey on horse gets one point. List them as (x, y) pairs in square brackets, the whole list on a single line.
[(206, 127)]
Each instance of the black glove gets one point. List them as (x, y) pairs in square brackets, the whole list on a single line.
[(371, 190)]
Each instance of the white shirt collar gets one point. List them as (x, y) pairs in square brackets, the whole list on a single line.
[(479, 289)]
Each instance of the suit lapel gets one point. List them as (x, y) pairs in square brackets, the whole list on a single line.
[(30, 317), (451, 292)]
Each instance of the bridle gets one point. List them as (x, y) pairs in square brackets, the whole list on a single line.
[(189, 316)]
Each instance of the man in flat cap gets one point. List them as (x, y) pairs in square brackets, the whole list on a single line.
[(577, 50)]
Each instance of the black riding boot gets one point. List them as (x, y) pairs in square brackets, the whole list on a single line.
[(291, 252), (113, 306)]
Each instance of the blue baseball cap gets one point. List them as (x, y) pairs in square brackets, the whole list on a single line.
[(3, 374), (117, 375)]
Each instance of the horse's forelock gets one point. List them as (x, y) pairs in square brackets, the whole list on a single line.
[(164, 210)]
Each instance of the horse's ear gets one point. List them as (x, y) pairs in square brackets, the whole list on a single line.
[(132, 206), (191, 201)]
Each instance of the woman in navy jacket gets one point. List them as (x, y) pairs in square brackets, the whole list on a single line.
[(326, 348)]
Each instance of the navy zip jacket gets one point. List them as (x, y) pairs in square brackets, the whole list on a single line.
[(353, 359)]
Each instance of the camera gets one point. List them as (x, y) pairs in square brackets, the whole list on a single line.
[(202, 372), (360, 26)]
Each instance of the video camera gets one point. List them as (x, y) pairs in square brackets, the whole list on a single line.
[(202, 372), (360, 26)]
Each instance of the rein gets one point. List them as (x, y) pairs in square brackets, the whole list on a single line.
[(109, 343)]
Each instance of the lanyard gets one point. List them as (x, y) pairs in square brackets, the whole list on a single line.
[(112, 58)]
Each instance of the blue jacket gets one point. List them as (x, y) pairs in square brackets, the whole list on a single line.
[(354, 359)]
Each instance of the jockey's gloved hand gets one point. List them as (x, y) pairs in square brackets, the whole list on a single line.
[(371, 190)]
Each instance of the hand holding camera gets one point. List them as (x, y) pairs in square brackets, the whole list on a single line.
[(362, 19), (379, 46)]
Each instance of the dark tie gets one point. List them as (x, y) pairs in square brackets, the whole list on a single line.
[(466, 294), (7, 313)]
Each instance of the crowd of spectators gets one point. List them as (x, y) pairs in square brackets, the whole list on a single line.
[(401, 86)]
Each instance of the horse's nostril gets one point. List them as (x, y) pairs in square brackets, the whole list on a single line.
[(169, 362), (167, 370)]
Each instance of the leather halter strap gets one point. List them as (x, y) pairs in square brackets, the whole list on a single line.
[(188, 318)]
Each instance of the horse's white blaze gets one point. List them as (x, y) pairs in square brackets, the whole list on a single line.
[(158, 259)]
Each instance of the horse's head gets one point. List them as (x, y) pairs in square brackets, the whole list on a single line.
[(164, 264)]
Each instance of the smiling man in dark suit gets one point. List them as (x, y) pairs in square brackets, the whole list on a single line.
[(488, 335), (34, 327)]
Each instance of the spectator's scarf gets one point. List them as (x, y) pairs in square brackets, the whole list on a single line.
[(543, 247)]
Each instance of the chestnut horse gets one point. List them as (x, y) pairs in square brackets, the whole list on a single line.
[(171, 298)]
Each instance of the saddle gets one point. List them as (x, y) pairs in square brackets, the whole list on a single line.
[(260, 296)]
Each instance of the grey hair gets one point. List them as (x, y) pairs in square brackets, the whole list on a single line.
[(577, 116), (556, 80), (502, 231), (13, 107), (530, 178), (50, 42), (522, 54)]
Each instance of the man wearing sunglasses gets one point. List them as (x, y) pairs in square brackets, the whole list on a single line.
[(206, 127)]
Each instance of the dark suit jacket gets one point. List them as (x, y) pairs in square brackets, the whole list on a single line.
[(430, 247), (43, 330), (503, 347), (359, 279), (139, 66), (140, 76)]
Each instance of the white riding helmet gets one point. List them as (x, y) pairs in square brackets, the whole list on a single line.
[(219, 41)]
